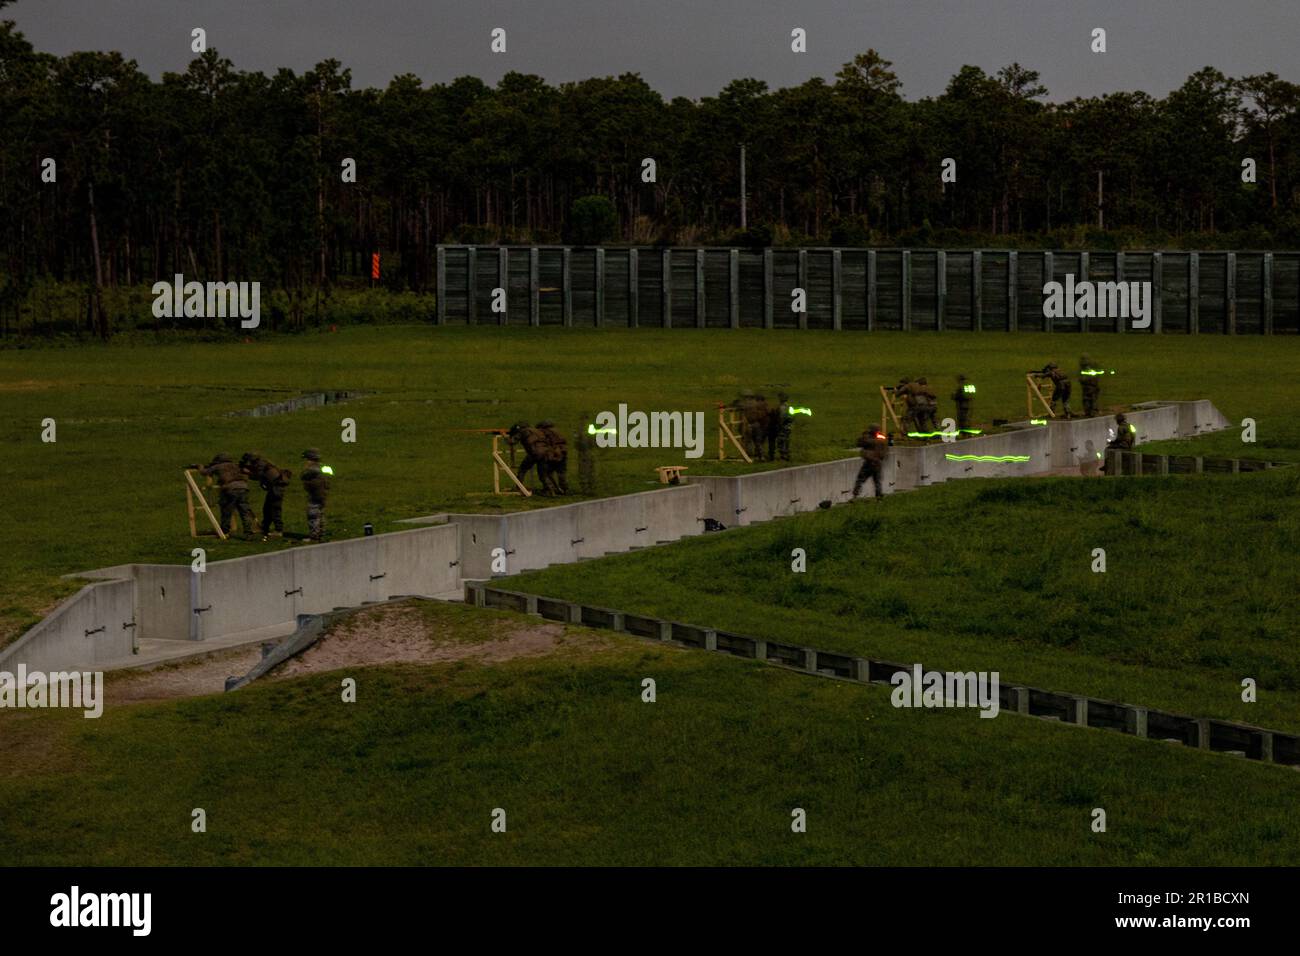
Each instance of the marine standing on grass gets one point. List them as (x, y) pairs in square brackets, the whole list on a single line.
[(274, 481), (233, 491), (873, 445), (1060, 387), (927, 406), (586, 445), (962, 399), (557, 455), (783, 426), (317, 486), (1091, 386)]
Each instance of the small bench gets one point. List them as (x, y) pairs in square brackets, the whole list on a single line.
[(670, 474)]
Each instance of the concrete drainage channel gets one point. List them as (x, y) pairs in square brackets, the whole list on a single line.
[(1217, 736)]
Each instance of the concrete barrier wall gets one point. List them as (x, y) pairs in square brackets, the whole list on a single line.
[(162, 601), (426, 561), (585, 529), (246, 595), (92, 626)]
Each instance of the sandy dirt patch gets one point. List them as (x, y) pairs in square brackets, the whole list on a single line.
[(191, 678), (392, 635), (404, 635)]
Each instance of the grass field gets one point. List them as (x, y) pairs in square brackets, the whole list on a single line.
[(130, 414), (1199, 590), (589, 774)]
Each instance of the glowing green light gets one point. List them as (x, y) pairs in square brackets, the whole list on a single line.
[(970, 431), (998, 458), (327, 469), (593, 430), (800, 411), (968, 389), (1089, 371), (1038, 421), (1132, 428)]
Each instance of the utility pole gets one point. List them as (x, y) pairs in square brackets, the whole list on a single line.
[(1101, 219), (743, 221)]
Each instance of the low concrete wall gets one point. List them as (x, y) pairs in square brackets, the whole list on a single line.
[(94, 625), (247, 595), (585, 529), (163, 601)]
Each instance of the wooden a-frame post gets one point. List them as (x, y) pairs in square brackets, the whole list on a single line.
[(191, 492), (1031, 390), (725, 432), (499, 465)]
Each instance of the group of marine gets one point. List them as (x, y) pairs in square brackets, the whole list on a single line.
[(547, 449), (765, 424), (919, 416), (921, 407), (232, 480)]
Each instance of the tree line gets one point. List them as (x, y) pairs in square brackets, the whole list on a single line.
[(221, 174)]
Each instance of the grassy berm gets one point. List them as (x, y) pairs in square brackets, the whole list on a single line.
[(1198, 592), (588, 773)]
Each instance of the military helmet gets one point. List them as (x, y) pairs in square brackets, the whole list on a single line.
[(961, 378), (220, 458), (874, 429), (1120, 417), (1085, 362), (547, 423), (312, 454), (782, 396), (922, 381)]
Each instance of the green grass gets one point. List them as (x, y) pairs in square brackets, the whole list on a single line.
[(1199, 589), (129, 415), (589, 774)]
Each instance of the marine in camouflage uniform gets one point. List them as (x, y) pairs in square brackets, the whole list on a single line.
[(905, 391), (275, 482), (782, 425), (1091, 386), (537, 452), (233, 487), (1125, 437), (585, 442), (962, 399), (873, 448), (317, 485), (927, 406), (557, 455), (755, 418), (1060, 387)]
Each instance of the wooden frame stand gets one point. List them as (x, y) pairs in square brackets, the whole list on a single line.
[(499, 465), (1033, 391), (889, 413), (191, 492), (726, 424)]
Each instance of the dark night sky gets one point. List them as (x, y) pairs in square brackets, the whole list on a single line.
[(694, 47)]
